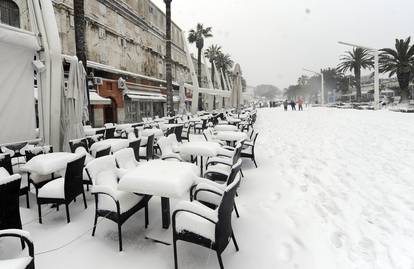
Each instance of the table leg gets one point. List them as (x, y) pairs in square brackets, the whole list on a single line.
[(165, 210), (201, 166)]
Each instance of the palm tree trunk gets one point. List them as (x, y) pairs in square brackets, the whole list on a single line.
[(403, 81), (79, 18), (200, 96), (358, 83), (170, 103), (212, 80)]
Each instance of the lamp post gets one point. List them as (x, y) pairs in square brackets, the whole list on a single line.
[(322, 84), (376, 70), (168, 71)]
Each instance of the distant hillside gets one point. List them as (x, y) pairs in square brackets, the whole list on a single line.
[(268, 91)]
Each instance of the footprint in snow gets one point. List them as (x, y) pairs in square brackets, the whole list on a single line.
[(285, 252), (337, 239)]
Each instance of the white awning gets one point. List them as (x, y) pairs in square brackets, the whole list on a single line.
[(209, 91), (96, 99), (142, 97)]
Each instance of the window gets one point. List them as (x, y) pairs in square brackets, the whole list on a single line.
[(9, 13)]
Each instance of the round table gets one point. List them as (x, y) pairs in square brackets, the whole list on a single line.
[(230, 136), (225, 127)]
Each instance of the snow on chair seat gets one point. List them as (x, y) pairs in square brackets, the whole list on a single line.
[(20, 262), (125, 158), (53, 189)]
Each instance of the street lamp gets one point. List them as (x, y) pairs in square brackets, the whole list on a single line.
[(322, 84), (376, 70)]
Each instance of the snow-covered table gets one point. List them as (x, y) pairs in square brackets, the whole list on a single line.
[(91, 131), (230, 136), (233, 120), (225, 127), (160, 178), (46, 164), (153, 131), (115, 144), (167, 126), (201, 149)]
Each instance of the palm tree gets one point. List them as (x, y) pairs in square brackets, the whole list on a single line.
[(356, 60), (225, 64), (170, 104), (211, 53), (197, 36), (399, 62)]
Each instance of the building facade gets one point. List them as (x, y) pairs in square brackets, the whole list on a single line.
[(124, 39)]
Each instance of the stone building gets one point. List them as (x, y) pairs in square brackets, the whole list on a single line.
[(124, 39)]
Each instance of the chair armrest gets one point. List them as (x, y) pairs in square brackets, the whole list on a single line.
[(102, 189), (24, 235), (214, 189), (217, 161), (195, 208), (171, 157)]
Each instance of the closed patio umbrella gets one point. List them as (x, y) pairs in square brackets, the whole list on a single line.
[(73, 98), (235, 97)]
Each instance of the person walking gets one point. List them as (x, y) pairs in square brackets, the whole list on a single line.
[(285, 104), (300, 104), (293, 104)]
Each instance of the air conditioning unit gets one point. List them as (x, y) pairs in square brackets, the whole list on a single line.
[(122, 84), (97, 81)]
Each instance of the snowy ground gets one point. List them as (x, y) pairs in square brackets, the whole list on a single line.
[(334, 189)]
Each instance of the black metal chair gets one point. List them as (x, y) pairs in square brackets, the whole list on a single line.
[(110, 132), (135, 145), (170, 131), (195, 223), (219, 168), (38, 180), (74, 144), (248, 149), (65, 189), (95, 138), (9, 202), (27, 262), (178, 132), (6, 163), (109, 202), (185, 135), (146, 152), (103, 152), (200, 126)]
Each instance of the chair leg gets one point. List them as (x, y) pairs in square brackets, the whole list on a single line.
[(220, 261), (120, 236), (254, 161), (39, 210), (87, 187), (27, 199), (67, 212), (235, 209), (175, 253), (84, 199), (146, 216), (57, 207), (23, 244), (94, 224), (241, 172), (234, 241)]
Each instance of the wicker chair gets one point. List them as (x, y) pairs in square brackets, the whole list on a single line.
[(20, 262), (63, 190), (110, 203), (195, 223), (146, 152), (248, 149)]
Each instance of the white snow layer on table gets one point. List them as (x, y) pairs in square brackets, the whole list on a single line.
[(46, 164), (334, 189), (115, 144), (199, 148), (225, 127), (230, 136), (160, 178)]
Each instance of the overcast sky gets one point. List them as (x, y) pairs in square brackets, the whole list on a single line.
[(274, 39)]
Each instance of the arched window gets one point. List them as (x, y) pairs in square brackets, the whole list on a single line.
[(9, 13)]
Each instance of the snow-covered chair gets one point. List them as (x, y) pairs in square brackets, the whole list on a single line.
[(208, 136), (75, 143), (95, 138), (65, 189), (248, 149), (9, 200), (185, 135), (6, 164), (38, 180), (167, 146), (125, 159), (19, 262), (200, 126), (178, 132), (219, 168), (110, 132), (196, 223), (210, 192), (146, 152), (135, 145), (111, 203)]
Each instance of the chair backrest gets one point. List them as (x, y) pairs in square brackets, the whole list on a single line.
[(9, 202), (100, 132), (237, 152), (109, 125), (125, 158), (255, 138), (110, 132), (97, 166), (103, 152), (179, 132), (150, 146), (170, 131), (135, 144), (74, 144), (6, 163), (74, 178), (164, 145), (223, 226), (30, 153), (136, 131), (235, 169)]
